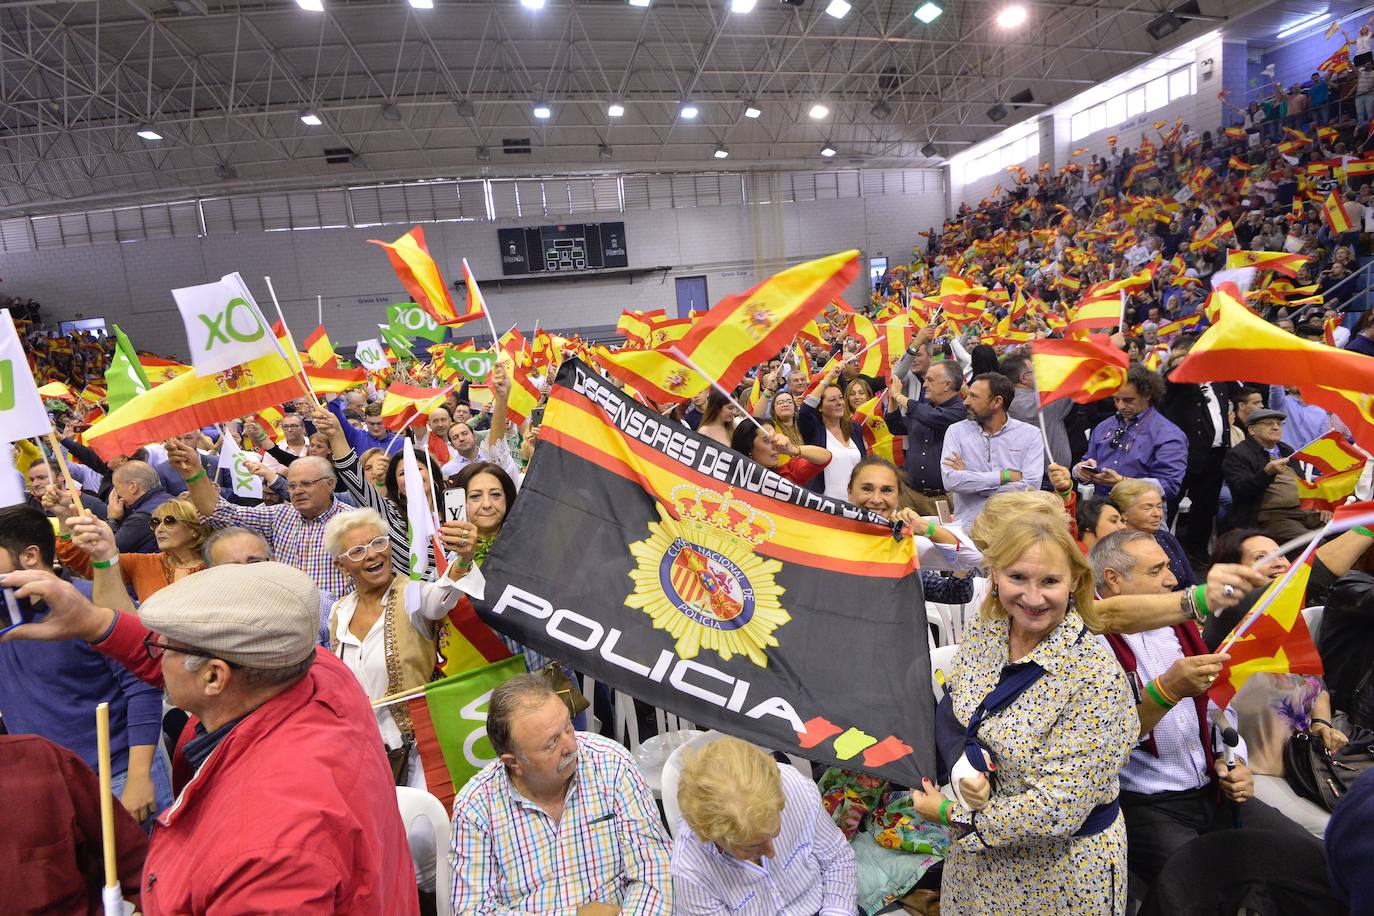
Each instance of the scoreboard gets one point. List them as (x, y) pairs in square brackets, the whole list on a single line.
[(567, 248)]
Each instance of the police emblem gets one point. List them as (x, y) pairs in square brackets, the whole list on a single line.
[(698, 578)]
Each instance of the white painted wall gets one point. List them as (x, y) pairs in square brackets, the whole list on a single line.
[(129, 283)]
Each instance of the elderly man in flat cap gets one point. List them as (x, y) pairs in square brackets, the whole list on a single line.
[(1264, 481), (292, 806)]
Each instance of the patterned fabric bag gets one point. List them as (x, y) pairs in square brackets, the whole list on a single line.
[(896, 825), (849, 796)]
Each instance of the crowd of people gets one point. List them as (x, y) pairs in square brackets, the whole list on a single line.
[(1107, 550)]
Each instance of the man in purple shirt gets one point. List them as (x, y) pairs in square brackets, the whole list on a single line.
[(1138, 442)]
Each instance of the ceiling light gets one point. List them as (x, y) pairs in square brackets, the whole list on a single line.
[(483, 154), (838, 8), (422, 4), (147, 133), (828, 150), (721, 152), (1011, 16), (465, 108), (532, 4), (928, 12), (752, 110), (818, 111), (688, 110), (639, 2), (929, 151), (742, 6), (604, 152), (542, 111), (310, 119), (615, 110), (391, 111), (314, 6)]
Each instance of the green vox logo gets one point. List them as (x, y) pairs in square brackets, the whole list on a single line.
[(7, 398), (223, 327)]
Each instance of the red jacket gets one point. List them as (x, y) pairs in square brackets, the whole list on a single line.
[(294, 812)]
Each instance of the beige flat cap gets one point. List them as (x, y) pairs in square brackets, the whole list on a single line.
[(259, 615)]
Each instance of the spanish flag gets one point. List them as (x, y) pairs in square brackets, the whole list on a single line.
[(874, 362), (637, 326), (1235, 133), (1180, 325), (1273, 636), (1339, 465), (1329, 490), (1081, 370), (742, 331), (1333, 208), (664, 331), (1210, 239), (1240, 344), (658, 375), (1096, 313), (1238, 166), (476, 305), (160, 371), (1279, 262), (190, 401), (403, 402), (334, 381), (420, 275), (320, 350), (870, 418)]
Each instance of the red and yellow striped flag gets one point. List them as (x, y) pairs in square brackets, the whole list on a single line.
[(1234, 133), (1333, 209), (665, 331), (1339, 465), (190, 401), (1097, 313), (333, 380), (637, 326), (744, 330), (659, 376), (1280, 262), (320, 350), (873, 363), (1081, 370), (1240, 344), (403, 402), (1210, 239), (878, 439), (1180, 325), (419, 275)]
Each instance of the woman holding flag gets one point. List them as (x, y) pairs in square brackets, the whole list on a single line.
[(825, 422)]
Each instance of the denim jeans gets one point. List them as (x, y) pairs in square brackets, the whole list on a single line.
[(162, 780)]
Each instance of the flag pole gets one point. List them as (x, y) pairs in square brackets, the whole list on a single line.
[(1040, 416), (292, 361), (319, 310), (110, 895), (418, 414), (1273, 592), (72, 486), (729, 398)]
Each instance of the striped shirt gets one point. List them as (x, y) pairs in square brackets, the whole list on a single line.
[(1182, 761), (294, 540), (609, 846), (812, 869)]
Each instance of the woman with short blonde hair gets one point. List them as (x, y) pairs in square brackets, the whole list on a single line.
[(179, 530), (1142, 507), (755, 840)]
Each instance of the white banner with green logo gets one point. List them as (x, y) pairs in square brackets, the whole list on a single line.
[(21, 409), (224, 326)]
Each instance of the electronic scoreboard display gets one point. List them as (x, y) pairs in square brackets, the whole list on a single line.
[(567, 248)]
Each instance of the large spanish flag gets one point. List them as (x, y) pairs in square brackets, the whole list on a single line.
[(1278, 261), (1240, 344), (1096, 313), (191, 401), (657, 374), (1081, 370), (682, 573), (419, 275), (741, 331)]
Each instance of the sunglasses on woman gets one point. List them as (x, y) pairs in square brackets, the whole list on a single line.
[(170, 521)]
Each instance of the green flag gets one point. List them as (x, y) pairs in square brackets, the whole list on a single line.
[(456, 710), (473, 365), (397, 341), (125, 378), (414, 321)]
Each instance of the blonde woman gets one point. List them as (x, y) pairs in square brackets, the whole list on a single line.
[(755, 840), (85, 541), (784, 417), (1037, 723)]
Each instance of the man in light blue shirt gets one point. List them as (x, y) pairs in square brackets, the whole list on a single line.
[(1305, 421), (989, 452)]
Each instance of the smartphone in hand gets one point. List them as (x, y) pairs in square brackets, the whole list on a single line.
[(18, 611)]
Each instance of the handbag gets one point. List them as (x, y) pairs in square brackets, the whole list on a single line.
[(566, 690), (399, 757), (1318, 775)]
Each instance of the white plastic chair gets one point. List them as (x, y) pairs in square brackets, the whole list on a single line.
[(672, 774), (415, 804), (652, 756), (1313, 617), (941, 660)]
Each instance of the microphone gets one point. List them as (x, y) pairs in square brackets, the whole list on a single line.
[(1229, 740)]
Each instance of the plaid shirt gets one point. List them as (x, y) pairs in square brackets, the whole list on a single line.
[(294, 540), (510, 857)]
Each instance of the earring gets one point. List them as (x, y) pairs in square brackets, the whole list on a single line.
[(1071, 603), (994, 590)]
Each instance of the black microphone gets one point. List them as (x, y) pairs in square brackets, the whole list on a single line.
[(1229, 740)]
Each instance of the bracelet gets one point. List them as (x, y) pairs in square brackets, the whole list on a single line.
[(1316, 721), (930, 530), (65, 537), (1157, 694), (106, 564), (1188, 604), (1361, 529), (944, 812), (1006, 476), (1200, 601), (197, 476)]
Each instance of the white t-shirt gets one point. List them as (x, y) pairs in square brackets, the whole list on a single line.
[(843, 457)]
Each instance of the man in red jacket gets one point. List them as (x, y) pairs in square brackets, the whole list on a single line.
[(292, 806)]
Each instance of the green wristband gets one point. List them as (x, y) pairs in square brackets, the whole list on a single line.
[(197, 476), (1200, 598), (1006, 475), (944, 812), (930, 530), (1361, 529), (105, 564), (1154, 695), (64, 537)]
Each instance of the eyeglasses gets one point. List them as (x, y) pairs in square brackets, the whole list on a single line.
[(359, 551), (168, 520), (155, 650), (299, 485)]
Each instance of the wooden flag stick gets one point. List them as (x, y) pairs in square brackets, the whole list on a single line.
[(110, 894), (72, 485)]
